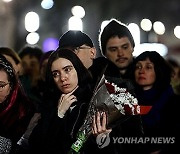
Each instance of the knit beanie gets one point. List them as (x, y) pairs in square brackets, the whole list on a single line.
[(114, 28), (74, 38)]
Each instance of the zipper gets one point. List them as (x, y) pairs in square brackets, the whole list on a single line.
[(71, 134)]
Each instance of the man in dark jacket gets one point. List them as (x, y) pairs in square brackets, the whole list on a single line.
[(117, 45)]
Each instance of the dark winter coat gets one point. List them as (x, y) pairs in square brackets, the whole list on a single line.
[(161, 120)]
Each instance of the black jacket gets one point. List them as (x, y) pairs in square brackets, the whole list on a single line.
[(54, 135), (132, 126)]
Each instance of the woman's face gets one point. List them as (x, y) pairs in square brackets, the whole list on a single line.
[(64, 74), (4, 86), (145, 74)]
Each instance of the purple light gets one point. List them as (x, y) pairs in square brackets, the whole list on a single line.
[(50, 44)]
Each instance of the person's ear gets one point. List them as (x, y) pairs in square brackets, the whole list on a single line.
[(19, 69), (93, 52)]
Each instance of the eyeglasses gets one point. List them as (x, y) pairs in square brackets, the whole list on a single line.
[(3, 85), (77, 49)]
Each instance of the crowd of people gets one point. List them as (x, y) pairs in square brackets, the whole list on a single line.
[(45, 97)]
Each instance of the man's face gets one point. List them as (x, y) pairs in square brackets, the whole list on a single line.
[(86, 54), (119, 51), (30, 65)]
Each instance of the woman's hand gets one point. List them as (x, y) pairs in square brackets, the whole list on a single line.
[(65, 102), (99, 124)]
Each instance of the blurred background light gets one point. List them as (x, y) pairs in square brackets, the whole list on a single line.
[(32, 38), (78, 11), (6, 1), (160, 48), (159, 28), (104, 23), (75, 23), (50, 44), (146, 24), (47, 4), (52, 18), (135, 31), (31, 22), (177, 31)]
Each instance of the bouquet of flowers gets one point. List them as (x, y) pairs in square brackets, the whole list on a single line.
[(115, 97)]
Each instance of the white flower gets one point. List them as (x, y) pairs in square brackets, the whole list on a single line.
[(122, 97)]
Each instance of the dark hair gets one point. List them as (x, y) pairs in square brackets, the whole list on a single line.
[(11, 53), (83, 74), (112, 29), (8, 68), (31, 51), (161, 67), (45, 56), (174, 64)]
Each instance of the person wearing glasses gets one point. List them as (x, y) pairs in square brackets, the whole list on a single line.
[(4, 88), (15, 109), (81, 44)]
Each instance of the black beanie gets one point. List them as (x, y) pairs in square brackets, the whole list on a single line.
[(74, 38), (113, 28)]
